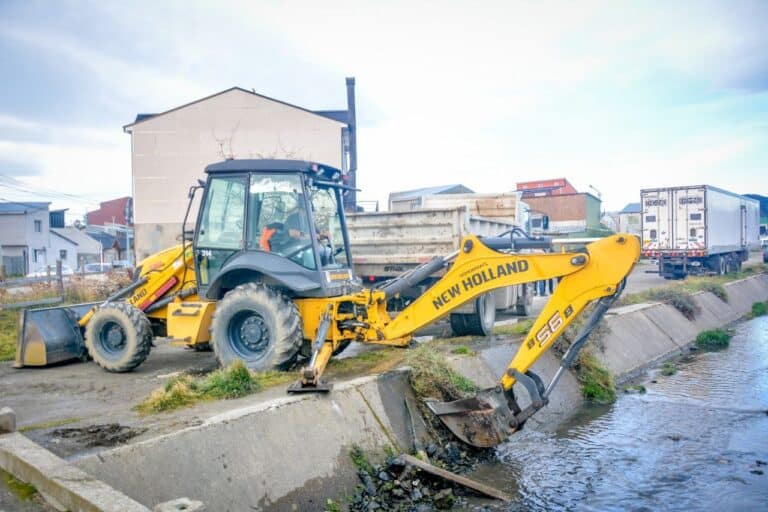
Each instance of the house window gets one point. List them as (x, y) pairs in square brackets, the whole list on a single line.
[(63, 254), (37, 255), (38, 226)]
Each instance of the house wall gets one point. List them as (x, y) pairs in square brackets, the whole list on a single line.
[(170, 152), (58, 244), (13, 229), (109, 212), (629, 223)]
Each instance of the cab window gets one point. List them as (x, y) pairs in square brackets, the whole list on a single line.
[(325, 209), (221, 224)]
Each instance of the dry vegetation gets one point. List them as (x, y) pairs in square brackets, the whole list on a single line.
[(76, 291)]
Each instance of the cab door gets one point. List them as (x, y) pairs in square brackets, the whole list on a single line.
[(220, 230)]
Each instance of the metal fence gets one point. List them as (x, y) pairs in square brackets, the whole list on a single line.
[(13, 265)]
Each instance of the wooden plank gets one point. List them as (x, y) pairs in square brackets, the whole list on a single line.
[(458, 479)]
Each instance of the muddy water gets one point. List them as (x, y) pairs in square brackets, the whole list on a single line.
[(697, 440)]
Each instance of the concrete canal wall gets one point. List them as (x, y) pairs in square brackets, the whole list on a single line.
[(293, 452)]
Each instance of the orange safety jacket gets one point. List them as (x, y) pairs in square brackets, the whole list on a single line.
[(266, 234)]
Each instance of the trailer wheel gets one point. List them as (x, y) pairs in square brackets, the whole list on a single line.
[(118, 337), (258, 325), (478, 323), (722, 266)]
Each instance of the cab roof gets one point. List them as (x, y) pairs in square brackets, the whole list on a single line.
[(273, 165)]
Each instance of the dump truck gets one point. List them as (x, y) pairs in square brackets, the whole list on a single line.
[(266, 277), (698, 229), (387, 244)]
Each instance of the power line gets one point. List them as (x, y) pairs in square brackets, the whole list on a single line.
[(15, 184)]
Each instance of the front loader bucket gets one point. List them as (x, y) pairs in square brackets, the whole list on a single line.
[(484, 420), (50, 335)]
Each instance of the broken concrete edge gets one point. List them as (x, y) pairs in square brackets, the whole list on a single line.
[(64, 486), (7, 420)]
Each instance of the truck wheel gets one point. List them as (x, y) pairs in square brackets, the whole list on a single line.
[(478, 323), (118, 337), (259, 325), (722, 266), (523, 309)]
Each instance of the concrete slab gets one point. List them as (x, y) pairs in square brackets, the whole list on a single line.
[(284, 454), (68, 487), (635, 340), (672, 323)]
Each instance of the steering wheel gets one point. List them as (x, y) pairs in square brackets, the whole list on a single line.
[(297, 249)]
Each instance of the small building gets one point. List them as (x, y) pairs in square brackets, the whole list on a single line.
[(115, 211), (629, 219), (170, 150), (86, 250), (408, 200), (552, 187), (114, 246), (567, 213), (24, 236)]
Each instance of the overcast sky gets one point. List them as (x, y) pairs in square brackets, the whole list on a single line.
[(617, 95)]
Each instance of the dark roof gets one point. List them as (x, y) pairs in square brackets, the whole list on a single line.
[(106, 240), (53, 232), (146, 117), (16, 208), (631, 208), (341, 116), (455, 188), (143, 117), (240, 165)]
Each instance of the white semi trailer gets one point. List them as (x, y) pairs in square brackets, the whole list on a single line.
[(386, 244), (698, 229)]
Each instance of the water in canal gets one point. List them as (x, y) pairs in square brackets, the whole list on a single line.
[(697, 440)]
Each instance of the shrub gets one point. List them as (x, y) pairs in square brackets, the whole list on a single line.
[(597, 383), (715, 339), (759, 309)]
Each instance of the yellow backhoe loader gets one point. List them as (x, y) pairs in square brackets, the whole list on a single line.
[(266, 277)]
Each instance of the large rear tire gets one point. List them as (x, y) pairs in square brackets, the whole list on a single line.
[(258, 325), (118, 337), (478, 323)]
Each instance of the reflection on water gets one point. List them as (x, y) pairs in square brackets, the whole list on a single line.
[(697, 440)]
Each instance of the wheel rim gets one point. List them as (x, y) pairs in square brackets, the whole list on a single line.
[(112, 338), (249, 335)]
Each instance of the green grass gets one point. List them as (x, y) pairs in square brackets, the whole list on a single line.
[(227, 383), (9, 322), (520, 328), (669, 368), (22, 490), (432, 376), (48, 424), (462, 350), (370, 361), (759, 309), (596, 381), (360, 459), (715, 339)]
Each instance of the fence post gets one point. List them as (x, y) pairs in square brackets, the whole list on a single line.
[(59, 278)]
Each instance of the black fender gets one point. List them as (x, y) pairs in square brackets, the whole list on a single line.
[(268, 268)]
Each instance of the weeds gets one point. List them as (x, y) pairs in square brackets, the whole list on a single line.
[(597, 383), (462, 350), (235, 381), (22, 490), (715, 339), (668, 369), (520, 328), (759, 309), (9, 322), (360, 460), (432, 376)]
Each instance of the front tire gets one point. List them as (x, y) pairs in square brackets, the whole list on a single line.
[(118, 337), (258, 325)]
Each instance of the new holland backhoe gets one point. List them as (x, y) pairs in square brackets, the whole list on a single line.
[(266, 277)]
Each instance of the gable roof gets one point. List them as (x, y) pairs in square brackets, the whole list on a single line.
[(456, 188), (61, 235), (87, 244), (141, 118), (631, 208), (10, 207)]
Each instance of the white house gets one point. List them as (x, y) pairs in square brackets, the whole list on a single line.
[(170, 150), (24, 236)]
